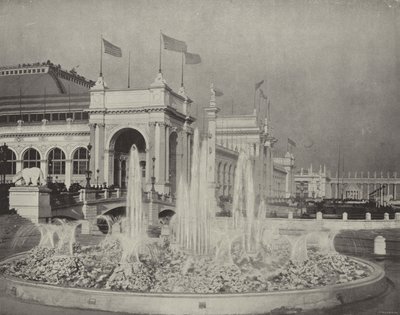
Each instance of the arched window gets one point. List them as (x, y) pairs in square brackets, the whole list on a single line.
[(80, 161), (56, 162), (10, 167), (31, 158)]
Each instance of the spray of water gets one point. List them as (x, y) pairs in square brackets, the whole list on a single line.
[(193, 211)]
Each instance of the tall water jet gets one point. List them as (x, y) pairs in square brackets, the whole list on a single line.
[(193, 211), (243, 199), (134, 209)]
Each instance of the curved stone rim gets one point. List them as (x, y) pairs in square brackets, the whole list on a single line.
[(184, 303)]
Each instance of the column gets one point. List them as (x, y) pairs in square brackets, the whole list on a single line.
[(150, 153), (362, 191), (18, 166), (109, 167), (68, 173), (394, 192), (159, 169), (44, 168), (181, 157), (100, 157), (92, 141), (188, 156), (166, 159)]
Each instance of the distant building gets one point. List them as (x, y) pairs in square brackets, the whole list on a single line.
[(357, 187), (364, 186), (312, 184)]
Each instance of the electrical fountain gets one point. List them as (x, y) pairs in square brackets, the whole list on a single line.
[(236, 265)]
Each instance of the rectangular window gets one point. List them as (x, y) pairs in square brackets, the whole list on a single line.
[(13, 118), (62, 116), (25, 118), (55, 117), (3, 119), (47, 116), (85, 116)]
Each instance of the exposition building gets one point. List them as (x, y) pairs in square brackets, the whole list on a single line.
[(64, 124)]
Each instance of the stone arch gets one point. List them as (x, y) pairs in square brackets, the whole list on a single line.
[(79, 158), (119, 147), (55, 165), (11, 164), (27, 157)]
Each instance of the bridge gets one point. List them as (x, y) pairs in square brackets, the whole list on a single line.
[(88, 204)]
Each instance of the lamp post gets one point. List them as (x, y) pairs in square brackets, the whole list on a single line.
[(88, 171), (3, 157), (153, 179)]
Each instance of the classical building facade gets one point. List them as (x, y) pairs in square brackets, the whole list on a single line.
[(311, 184), (366, 185), (356, 186), (64, 124), (43, 120)]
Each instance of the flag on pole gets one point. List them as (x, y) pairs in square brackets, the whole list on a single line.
[(192, 59), (257, 86), (111, 49), (173, 44), (291, 142)]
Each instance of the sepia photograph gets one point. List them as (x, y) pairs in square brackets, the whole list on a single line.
[(200, 157)]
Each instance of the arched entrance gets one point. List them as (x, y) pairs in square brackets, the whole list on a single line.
[(120, 146)]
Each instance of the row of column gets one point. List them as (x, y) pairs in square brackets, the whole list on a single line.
[(366, 189)]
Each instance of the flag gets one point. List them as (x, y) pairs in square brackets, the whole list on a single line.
[(192, 59), (291, 142), (257, 86), (111, 49), (263, 95), (173, 44)]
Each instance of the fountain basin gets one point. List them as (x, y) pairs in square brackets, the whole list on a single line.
[(178, 303)]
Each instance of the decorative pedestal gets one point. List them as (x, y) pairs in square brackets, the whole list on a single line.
[(31, 202)]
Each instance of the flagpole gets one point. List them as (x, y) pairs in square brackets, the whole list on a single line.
[(182, 71), (101, 55), (129, 71), (159, 68)]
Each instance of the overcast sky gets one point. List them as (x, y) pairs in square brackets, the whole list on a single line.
[(332, 68)]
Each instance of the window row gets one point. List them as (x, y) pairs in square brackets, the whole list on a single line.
[(55, 161), (39, 117), (21, 71)]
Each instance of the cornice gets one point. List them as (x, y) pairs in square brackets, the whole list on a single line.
[(41, 134)]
